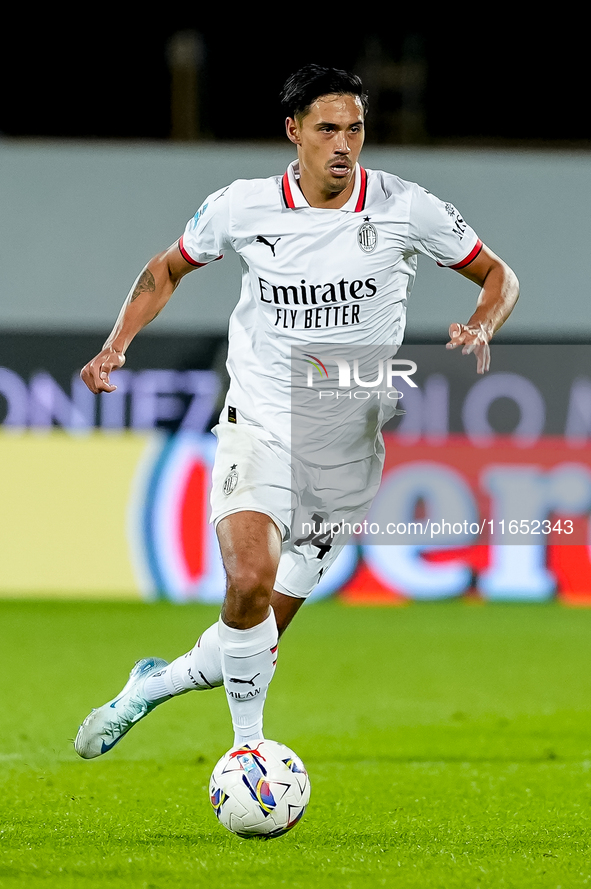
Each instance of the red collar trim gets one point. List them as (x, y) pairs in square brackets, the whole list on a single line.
[(287, 195), (359, 206)]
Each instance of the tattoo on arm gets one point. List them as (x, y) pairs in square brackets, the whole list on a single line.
[(145, 283)]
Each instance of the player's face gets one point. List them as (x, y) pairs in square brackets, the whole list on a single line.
[(329, 140)]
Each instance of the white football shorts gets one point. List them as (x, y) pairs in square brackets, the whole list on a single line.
[(309, 504)]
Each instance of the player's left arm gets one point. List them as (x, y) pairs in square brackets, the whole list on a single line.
[(498, 295)]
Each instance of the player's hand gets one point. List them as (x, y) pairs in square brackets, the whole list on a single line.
[(96, 374), (473, 340)]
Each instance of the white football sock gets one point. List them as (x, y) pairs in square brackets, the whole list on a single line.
[(248, 663), (199, 669)]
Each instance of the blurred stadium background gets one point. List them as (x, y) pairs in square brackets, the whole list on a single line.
[(111, 135)]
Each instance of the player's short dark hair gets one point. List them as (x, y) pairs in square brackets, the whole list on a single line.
[(312, 81)]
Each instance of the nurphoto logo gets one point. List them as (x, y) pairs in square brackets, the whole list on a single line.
[(348, 374)]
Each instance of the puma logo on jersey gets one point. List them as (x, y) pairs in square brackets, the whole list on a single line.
[(261, 240)]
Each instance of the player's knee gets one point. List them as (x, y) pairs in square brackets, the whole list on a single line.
[(249, 588)]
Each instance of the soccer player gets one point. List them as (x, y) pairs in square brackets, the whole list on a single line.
[(329, 252)]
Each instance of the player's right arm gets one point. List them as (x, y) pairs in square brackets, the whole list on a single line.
[(146, 299)]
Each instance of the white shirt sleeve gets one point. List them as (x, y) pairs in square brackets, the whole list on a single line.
[(206, 235), (437, 229)]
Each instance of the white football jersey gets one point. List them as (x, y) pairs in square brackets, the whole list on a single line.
[(315, 276)]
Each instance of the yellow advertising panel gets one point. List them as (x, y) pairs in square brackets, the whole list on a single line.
[(63, 518)]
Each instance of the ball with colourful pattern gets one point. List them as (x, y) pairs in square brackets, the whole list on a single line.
[(259, 790)]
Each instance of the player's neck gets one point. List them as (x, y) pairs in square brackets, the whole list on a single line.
[(320, 196)]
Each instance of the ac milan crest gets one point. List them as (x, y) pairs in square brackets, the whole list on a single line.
[(367, 236), (230, 481)]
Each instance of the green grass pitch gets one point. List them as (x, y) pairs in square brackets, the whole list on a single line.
[(449, 745)]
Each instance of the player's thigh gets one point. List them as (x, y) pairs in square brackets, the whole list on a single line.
[(250, 544)]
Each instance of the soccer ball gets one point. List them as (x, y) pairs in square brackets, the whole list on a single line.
[(259, 790)]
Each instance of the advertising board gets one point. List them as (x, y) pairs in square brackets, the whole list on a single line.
[(486, 491)]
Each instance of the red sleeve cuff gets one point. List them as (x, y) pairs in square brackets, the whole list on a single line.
[(188, 258), (470, 257)]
